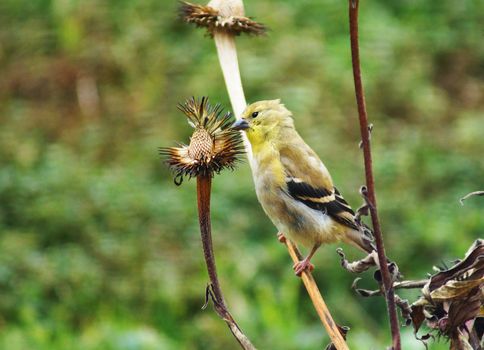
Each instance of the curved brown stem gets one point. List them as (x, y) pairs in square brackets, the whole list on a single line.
[(365, 136), (204, 184)]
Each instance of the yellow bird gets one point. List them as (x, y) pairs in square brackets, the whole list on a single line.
[(294, 187)]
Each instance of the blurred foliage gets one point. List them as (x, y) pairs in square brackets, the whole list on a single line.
[(98, 248)]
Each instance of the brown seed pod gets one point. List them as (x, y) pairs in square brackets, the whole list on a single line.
[(213, 146), (214, 20)]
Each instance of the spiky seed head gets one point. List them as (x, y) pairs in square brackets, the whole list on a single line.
[(220, 20), (214, 145), (201, 144)]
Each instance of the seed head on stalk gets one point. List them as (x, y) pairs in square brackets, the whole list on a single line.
[(225, 19), (221, 16), (213, 146)]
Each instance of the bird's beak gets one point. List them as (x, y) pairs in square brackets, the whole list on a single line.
[(240, 124)]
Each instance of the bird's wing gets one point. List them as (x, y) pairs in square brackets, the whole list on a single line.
[(309, 182), (328, 202)]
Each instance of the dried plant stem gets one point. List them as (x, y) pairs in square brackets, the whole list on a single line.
[(318, 301), (227, 54), (204, 183), (365, 135)]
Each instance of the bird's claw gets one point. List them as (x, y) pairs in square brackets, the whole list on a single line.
[(302, 266), (281, 238)]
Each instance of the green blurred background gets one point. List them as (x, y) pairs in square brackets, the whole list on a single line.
[(100, 250)]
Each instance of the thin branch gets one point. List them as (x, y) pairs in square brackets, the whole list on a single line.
[(410, 284), (419, 284), (318, 301), (476, 193), (365, 136), (204, 183)]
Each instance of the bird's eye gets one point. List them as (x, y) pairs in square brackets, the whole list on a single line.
[(255, 114)]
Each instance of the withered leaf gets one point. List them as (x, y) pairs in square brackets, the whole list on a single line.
[(460, 342), (463, 310), (474, 260), (417, 315), (454, 289)]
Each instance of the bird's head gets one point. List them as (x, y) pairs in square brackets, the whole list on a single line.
[(263, 120)]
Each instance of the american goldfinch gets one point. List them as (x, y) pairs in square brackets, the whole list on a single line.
[(293, 186)]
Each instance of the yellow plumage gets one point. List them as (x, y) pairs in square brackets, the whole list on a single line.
[(292, 184)]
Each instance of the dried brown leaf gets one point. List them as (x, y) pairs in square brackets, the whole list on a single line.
[(417, 315), (454, 289), (460, 342), (474, 260)]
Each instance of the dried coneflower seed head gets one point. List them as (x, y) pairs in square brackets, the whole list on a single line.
[(211, 18), (214, 145), (201, 144)]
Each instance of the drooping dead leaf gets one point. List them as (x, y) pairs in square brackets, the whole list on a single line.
[(474, 260), (460, 342), (454, 289), (452, 300)]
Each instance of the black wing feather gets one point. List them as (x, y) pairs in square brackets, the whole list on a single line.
[(303, 192), (302, 189)]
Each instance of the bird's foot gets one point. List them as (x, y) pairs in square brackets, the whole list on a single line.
[(281, 238), (302, 266)]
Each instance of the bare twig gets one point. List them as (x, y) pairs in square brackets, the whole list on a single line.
[(204, 183), (365, 136), (476, 193), (318, 301), (397, 285), (409, 284)]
